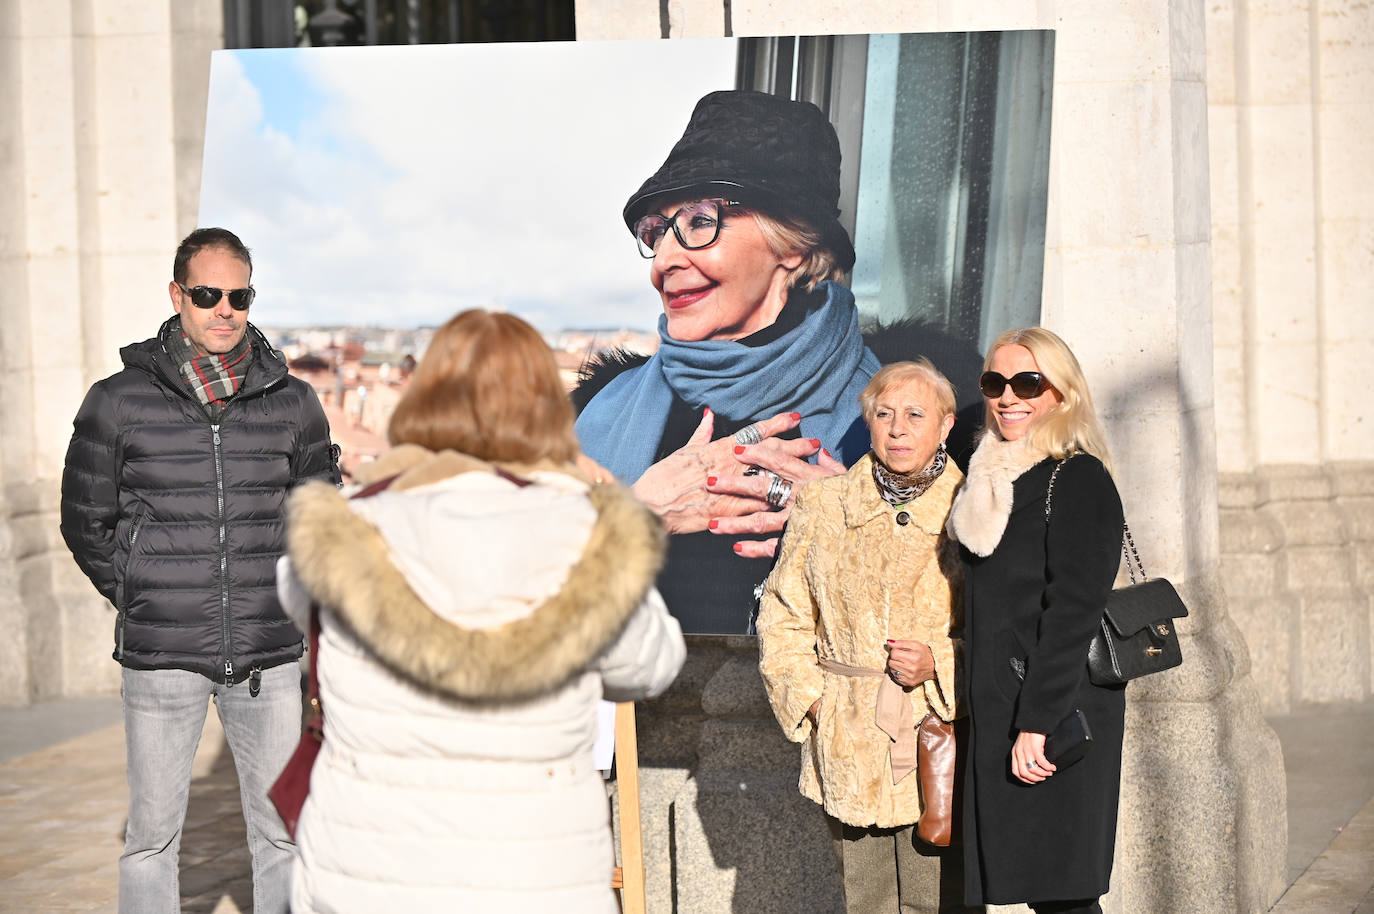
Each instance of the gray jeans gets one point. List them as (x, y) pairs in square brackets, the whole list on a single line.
[(164, 711)]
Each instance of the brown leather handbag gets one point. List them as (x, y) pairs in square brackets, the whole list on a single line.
[(935, 760)]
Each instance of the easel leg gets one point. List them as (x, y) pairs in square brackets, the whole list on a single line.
[(627, 783)]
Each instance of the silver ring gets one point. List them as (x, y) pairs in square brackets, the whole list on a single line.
[(750, 434), (779, 490), (892, 674), (753, 470), (1032, 764)]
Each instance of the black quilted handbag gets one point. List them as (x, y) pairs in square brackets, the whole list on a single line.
[(1137, 635)]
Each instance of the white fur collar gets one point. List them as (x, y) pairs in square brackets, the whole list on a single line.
[(983, 506)]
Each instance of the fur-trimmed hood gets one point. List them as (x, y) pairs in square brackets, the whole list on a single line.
[(982, 507), (522, 585)]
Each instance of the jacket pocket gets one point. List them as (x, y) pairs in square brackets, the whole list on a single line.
[(1008, 655), (819, 739), (122, 588)]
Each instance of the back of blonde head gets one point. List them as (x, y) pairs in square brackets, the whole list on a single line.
[(1072, 427)]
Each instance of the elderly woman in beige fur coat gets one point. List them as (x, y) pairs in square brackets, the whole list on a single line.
[(866, 588), (474, 612)]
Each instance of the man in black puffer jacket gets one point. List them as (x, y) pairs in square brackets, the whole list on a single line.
[(173, 504)]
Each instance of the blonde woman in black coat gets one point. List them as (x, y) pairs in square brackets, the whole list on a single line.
[(1035, 588)]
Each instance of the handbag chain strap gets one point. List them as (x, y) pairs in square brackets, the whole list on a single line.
[(1126, 538)]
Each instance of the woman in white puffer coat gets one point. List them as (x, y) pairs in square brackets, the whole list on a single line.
[(473, 613)]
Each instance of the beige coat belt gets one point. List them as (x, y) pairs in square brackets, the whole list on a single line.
[(893, 716)]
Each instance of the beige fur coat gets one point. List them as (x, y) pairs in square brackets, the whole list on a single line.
[(848, 578)]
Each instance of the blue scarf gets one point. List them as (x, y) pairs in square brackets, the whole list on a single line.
[(818, 368)]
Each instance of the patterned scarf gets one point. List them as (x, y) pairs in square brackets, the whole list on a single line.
[(213, 378), (898, 489)]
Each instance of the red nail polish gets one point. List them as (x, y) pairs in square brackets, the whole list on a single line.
[(714, 524), (796, 417), (890, 641), (738, 546), (739, 449), (706, 411), (827, 453), (710, 480), (815, 442)]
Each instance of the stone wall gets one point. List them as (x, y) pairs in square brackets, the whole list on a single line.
[(1290, 91), (1298, 565)]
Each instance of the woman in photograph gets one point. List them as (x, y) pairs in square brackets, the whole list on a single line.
[(760, 361), (1037, 582), (858, 637), (476, 605)]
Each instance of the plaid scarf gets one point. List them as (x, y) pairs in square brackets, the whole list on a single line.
[(213, 378)]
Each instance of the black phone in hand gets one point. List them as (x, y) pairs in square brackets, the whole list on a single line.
[(1070, 741)]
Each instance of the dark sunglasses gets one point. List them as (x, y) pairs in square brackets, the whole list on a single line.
[(1025, 384), (209, 296)]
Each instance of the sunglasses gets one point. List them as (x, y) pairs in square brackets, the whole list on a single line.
[(1024, 384), (209, 296)]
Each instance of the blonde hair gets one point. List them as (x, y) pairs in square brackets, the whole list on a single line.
[(899, 373), (1071, 427), (790, 236), (488, 386)]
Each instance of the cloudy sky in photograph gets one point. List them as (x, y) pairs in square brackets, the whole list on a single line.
[(395, 186)]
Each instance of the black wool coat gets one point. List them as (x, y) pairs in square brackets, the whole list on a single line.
[(178, 521), (1038, 597)]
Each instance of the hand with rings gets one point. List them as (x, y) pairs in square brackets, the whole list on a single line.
[(1028, 762), (676, 489), (909, 663), (776, 469)]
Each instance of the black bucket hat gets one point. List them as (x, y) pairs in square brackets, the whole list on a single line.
[(768, 152)]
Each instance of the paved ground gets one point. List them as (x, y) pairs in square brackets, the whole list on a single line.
[(62, 799)]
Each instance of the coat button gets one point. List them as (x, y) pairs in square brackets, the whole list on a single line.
[(903, 518)]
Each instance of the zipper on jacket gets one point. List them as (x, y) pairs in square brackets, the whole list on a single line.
[(133, 534), (133, 540), (223, 560), (121, 613)]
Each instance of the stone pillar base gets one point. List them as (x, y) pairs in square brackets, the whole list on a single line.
[(1297, 562)]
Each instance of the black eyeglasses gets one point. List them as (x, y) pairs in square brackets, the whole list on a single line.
[(209, 296), (696, 225), (1025, 384)]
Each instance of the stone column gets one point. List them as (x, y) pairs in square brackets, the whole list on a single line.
[(1128, 283), (98, 178)]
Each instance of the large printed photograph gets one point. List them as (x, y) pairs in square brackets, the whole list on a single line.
[(720, 240)]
